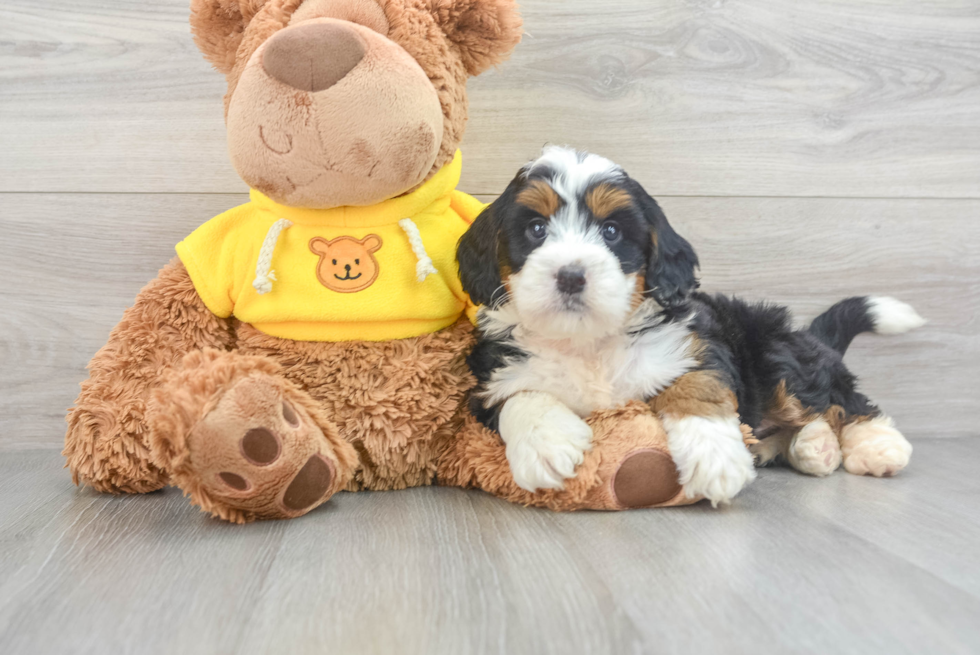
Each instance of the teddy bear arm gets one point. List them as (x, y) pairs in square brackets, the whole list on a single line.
[(106, 444)]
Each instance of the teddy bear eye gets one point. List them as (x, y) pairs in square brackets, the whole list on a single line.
[(335, 262), (357, 261)]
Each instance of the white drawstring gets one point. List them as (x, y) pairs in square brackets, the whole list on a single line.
[(424, 267), (264, 275)]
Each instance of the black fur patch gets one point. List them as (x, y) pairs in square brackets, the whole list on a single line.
[(755, 348), (838, 326), (487, 356), (672, 267)]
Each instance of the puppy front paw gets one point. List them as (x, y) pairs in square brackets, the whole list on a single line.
[(545, 441), (711, 457)]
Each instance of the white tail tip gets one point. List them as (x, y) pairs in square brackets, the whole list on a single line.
[(892, 316)]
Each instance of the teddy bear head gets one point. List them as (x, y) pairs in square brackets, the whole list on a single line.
[(348, 102)]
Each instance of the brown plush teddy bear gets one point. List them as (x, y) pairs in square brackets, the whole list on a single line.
[(314, 339)]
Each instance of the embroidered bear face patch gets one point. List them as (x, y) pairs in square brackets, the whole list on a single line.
[(347, 264)]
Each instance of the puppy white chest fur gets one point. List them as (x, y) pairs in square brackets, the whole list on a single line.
[(594, 374)]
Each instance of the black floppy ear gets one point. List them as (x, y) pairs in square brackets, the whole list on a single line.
[(671, 272), (478, 251)]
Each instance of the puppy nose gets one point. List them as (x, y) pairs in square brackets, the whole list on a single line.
[(347, 266), (312, 57), (571, 279)]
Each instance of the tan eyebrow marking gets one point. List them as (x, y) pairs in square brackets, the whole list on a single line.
[(604, 199), (540, 197)]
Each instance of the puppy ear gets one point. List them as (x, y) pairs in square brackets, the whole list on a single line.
[(478, 250), (485, 31), (671, 274)]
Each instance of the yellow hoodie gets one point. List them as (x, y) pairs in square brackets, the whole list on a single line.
[(342, 274)]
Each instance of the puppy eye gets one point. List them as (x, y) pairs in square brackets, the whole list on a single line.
[(537, 230), (335, 262), (357, 261), (611, 232)]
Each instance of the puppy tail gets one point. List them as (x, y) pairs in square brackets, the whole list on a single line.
[(838, 326)]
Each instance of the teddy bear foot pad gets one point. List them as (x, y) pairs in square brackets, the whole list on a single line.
[(645, 478), (242, 441), (257, 452)]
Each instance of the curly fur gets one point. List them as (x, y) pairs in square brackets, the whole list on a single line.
[(395, 401), (483, 32), (106, 443)]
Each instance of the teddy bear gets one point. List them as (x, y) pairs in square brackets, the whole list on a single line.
[(313, 340)]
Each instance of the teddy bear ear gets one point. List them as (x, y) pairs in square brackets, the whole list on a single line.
[(319, 246), (218, 27), (485, 31), (371, 243)]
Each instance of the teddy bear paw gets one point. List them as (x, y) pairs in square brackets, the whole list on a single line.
[(257, 454)]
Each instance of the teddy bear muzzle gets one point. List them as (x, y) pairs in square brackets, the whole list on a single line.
[(329, 112)]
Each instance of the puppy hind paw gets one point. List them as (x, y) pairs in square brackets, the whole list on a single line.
[(815, 450), (874, 448)]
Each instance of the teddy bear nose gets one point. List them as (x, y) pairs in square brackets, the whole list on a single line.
[(312, 57)]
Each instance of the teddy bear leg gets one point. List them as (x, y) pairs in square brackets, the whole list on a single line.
[(628, 466), (106, 442), (244, 442)]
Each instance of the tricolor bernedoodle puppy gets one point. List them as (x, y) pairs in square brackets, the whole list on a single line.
[(589, 300)]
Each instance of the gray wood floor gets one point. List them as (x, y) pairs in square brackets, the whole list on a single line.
[(810, 150), (796, 565)]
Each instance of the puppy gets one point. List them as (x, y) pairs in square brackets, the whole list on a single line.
[(589, 300)]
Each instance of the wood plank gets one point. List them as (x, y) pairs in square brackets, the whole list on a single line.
[(905, 518), (69, 284), (796, 564), (776, 573), (79, 261), (97, 573), (745, 97), (108, 96)]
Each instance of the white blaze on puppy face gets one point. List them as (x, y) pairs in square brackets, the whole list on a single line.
[(573, 240), (601, 307)]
